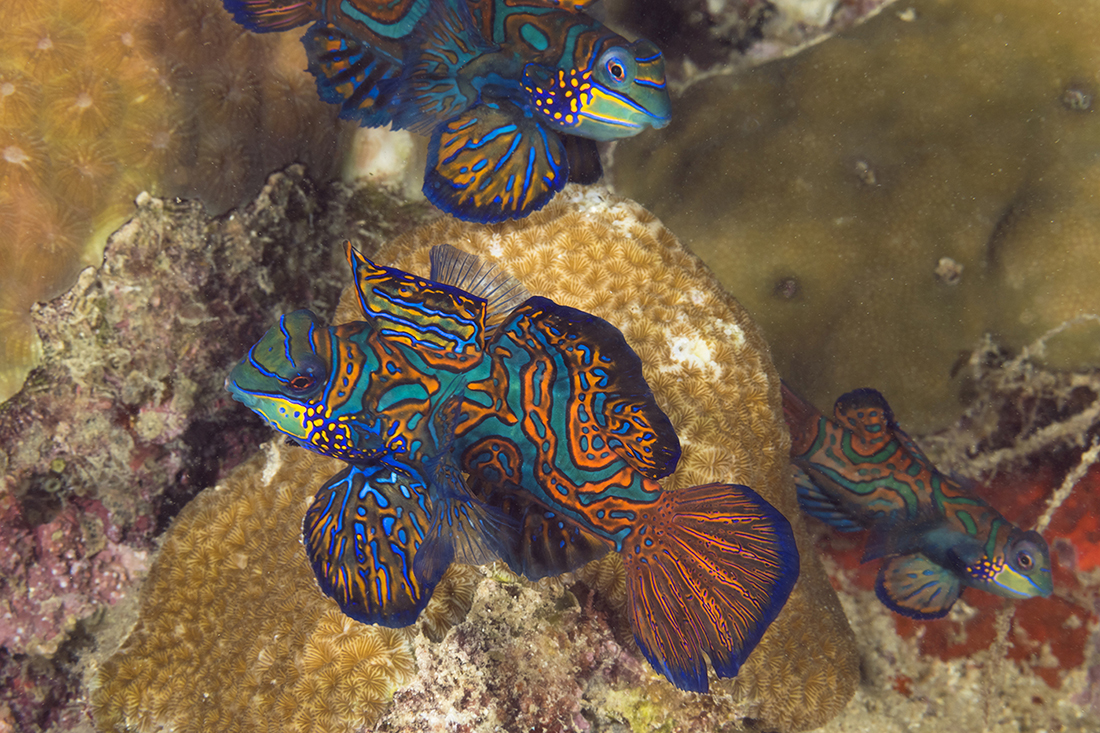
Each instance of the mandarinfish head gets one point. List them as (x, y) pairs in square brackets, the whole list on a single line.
[(288, 379), (1018, 566), (618, 95)]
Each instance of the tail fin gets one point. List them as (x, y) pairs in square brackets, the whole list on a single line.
[(803, 420), (707, 571)]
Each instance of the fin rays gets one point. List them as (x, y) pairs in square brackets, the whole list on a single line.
[(708, 571)]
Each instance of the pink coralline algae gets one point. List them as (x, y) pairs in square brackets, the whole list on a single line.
[(58, 572)]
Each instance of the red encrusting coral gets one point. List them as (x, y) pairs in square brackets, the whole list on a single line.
[(1048, 635)]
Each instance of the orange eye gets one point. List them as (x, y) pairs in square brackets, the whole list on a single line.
[(302, 382), (1024, 560), (616, 70)]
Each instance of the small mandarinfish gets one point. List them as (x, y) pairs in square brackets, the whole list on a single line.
[(514, 93), (482, 423), (859, 470)]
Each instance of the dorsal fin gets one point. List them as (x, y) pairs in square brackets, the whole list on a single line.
[(502, 292), (867, 415), (430, 89), (416, 311)]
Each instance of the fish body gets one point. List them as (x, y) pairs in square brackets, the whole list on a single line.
[(513, 92), (532, 437), (859, 470)]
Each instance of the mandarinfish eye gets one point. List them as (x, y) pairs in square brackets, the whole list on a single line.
[(618, 66), (310, 375), (1026, 552)]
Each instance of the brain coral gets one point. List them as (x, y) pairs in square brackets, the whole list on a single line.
[(231, 607), (235, 635), (825, 190)]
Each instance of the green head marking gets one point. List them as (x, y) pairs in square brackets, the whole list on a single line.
[(618, 95), (1018, 567), (283, 376)]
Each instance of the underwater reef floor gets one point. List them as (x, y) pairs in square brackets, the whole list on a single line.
[(126, 421)]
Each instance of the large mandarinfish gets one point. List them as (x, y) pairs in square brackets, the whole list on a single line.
[(859, 470), (480, 423), (514, 93)]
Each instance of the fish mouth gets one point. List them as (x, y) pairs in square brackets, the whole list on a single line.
[(661, 122)]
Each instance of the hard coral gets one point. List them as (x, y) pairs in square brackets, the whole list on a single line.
[(824, 189), (711, 373), (234, 633), (102, 100)]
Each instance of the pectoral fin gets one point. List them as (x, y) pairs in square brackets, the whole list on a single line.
[(914, 586), (364, 535), (493, 163)]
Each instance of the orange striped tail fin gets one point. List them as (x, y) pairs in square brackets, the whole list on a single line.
[(708, 569)]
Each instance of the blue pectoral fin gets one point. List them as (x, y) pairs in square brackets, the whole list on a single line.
[(358, 78), (365, 534), (914, 586), (494, 163), (430, 92), (813, 500)]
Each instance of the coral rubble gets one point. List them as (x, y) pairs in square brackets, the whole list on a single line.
[(826, 189)]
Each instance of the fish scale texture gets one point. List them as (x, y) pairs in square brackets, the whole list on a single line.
[(711, 372)]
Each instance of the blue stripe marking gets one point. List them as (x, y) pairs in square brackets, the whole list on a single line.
[(286, 340), (256, 365), (511, 150), (625, 100)]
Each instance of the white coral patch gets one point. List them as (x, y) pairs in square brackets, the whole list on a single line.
[(692, 347), (274, 462), (733, 332), (692, 351)]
